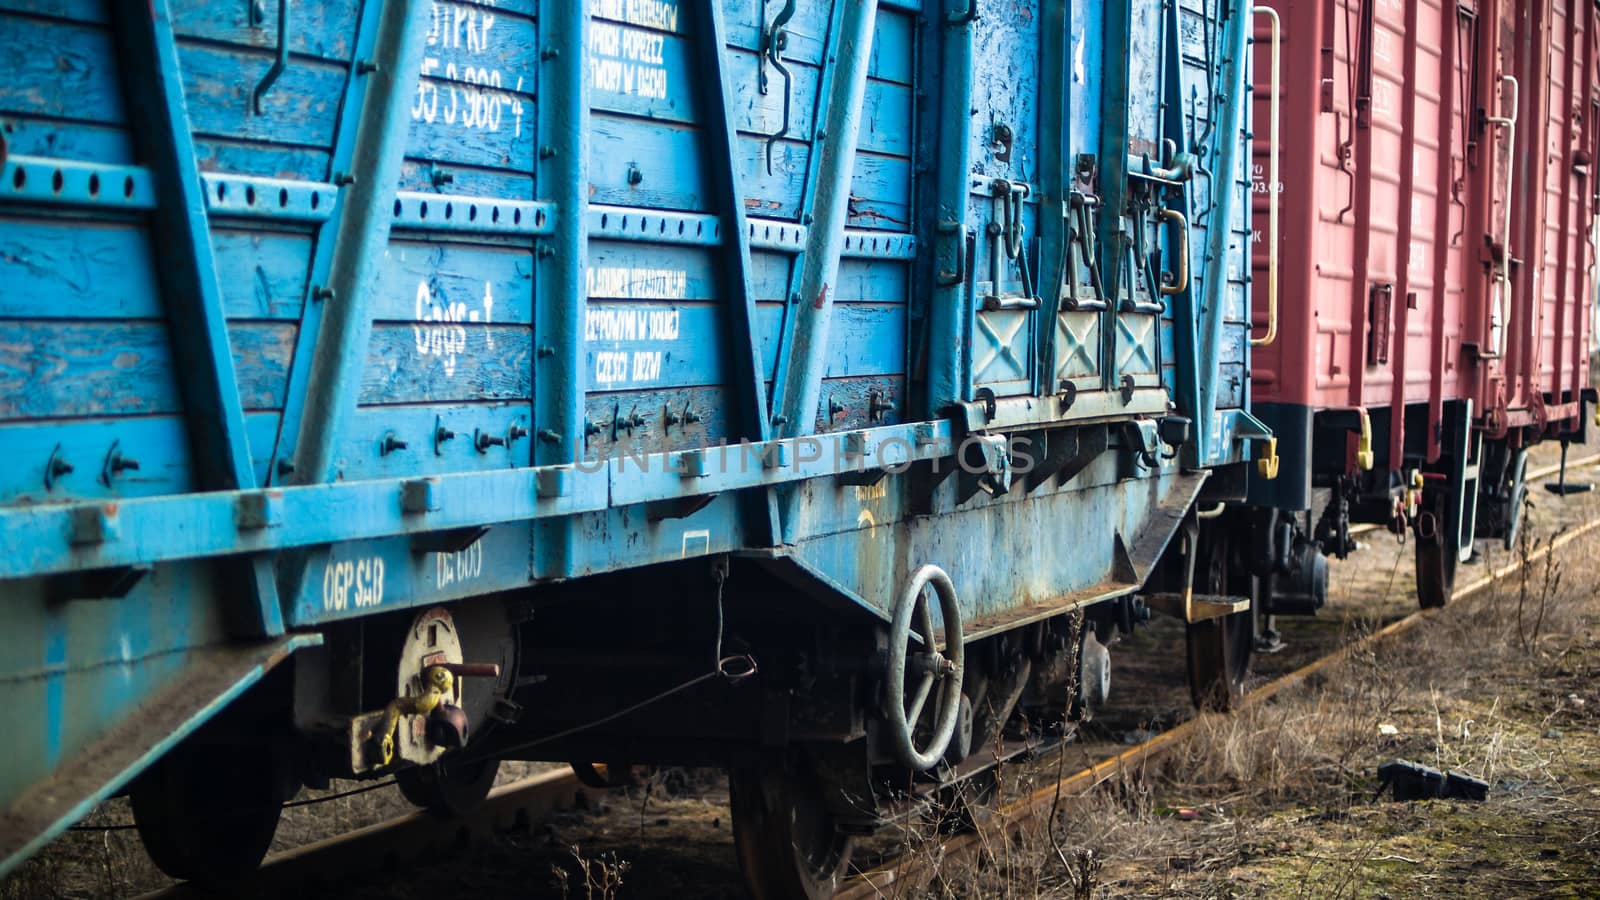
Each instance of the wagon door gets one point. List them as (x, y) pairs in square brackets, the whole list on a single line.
[(1154, 195), (1002, 204), (1125, 206)]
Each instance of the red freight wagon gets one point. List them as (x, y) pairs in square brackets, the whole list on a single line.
[(1434, 266)]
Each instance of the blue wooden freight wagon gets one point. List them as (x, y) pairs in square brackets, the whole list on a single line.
[(808, 388)]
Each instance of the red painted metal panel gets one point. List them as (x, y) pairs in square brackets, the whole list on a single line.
[(1397, 287)]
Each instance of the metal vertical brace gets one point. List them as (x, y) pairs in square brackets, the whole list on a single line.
[(1114, 177), (1445, 175), (949, 310), (1055, 180), (1574, 98), (562, 177), (334, 380), (797, 386), (352, 107), (1185, 314), (1404, 232), (735, 279), (1227, 134), (806, 211), (196, 322)]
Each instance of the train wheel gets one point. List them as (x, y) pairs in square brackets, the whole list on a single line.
[(1517, 489), (447, 790), (1218, 650), (208, 812), (788, 844)]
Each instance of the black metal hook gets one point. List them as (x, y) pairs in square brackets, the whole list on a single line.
[(282, 62), (774, 40)]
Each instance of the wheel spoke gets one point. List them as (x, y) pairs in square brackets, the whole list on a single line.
[(925, 622), (924, 688)]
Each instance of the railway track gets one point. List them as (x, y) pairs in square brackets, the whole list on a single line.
[(523, 803)]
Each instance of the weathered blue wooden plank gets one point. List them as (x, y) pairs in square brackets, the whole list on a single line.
[(54, 369), (262, 428), (761, 114), (773, 193), (644, 271), (219, 86), (871, 281), (632, 346), (664, 160), (861, 402), (880, 187), (643, 422), (642, 72), (885, 110), (90, 11), (808, 30), (488, 45), (881, 193), (266, 160), (61, 139), (159, 443), (263, 272), (474, 103), (261, 353), (410, 364), (440, 284), (467, 180), (59, 69), (893, 46), (362, 454), (52, 267), (621, 270), (325, 28)]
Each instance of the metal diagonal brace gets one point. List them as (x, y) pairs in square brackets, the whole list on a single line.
[(214, 414), (799, 386), (735, 277), (363, 234)]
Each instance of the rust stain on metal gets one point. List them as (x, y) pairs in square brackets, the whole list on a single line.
[(822, 298)]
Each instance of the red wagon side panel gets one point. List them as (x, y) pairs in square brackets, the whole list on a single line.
[(1397, 289)]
